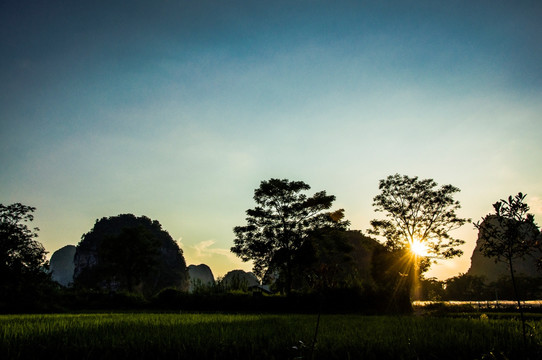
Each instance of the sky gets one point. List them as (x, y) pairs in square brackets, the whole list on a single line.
[(177, 110)]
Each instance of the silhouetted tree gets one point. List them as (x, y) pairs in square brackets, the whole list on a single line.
[(389, 277), (509, 234), (22, 258), (130, 250), (466, 287), (529, 288), (432, 289), (418, 215), (279, 225), (128, 257), (335, 258)]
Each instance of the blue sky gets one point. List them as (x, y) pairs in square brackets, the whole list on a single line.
[(178, 109)]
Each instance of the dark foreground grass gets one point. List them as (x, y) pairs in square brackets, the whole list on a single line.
[(223, 336)]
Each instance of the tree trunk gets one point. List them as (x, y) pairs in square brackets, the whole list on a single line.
[(288, 279), (518, 302)]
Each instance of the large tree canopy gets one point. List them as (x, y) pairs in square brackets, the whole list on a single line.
[(22, 258), (129, 252), (129, 256), (419, 216), (279, 225), (332, 259), (417, 226)]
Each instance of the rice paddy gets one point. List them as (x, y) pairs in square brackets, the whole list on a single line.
[(230, 336)]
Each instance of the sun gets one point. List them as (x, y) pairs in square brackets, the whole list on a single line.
[(418, 248)]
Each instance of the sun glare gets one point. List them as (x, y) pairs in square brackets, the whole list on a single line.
[(418, 248)]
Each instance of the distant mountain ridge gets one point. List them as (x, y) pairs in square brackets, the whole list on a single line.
[(240, 277), (61, 265), (199, 275)]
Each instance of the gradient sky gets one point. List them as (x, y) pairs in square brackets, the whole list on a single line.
[(177, 110)]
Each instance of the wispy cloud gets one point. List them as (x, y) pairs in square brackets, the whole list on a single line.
[(203, 248), (535, 203), (180, 242), (205, 251), (220, 260)]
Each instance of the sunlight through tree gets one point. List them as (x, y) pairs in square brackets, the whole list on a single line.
[(419, 219)]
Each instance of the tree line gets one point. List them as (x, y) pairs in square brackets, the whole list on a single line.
[(465, 287), (297, 243)]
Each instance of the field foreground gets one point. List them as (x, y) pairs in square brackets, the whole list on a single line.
[(224, 336)]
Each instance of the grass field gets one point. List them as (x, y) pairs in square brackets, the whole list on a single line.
[(223, 336)]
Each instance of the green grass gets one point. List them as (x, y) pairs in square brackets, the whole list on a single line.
[(222, 336)]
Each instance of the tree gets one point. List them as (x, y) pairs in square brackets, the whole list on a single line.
[(419, 218), (466, 287), (22, 258), (131, 252), (128, 257), (388, 274), (529, 288), (509, 234), (279, 225), (432, 289), (334, 259), (324, 260)]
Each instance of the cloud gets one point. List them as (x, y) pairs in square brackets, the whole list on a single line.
[(204, 249), (218, 259), (535, 205)]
